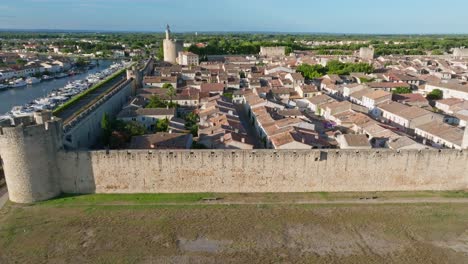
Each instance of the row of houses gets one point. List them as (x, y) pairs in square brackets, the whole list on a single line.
[(220, 126), (34, 67)]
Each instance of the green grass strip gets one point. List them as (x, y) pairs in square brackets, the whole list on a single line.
[(86, 92), (139, 198)]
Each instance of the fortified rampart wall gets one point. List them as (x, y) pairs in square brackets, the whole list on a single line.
[(29, 161), (261, 171), (85, 129)]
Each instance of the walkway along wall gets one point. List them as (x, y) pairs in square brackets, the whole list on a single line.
[(261, 171), (85, 129)]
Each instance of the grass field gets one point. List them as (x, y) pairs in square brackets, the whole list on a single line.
[(238, 228)]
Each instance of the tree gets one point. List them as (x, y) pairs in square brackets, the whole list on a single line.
[(134, 129), (194, 130), (333, 67), (171, 92), (436, 94), (156, 102), (106, 128), (312, 71), (191, 123), (160, 53), (167, 85), (228, 95), (366, 80), (162, 125), (191, 119), (21, 62), (402, 90), (81, 62)]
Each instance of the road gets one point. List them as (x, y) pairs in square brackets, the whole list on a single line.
[(70, 111)]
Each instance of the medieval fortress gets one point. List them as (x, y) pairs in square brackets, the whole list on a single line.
[(37, 167), (44, 156)]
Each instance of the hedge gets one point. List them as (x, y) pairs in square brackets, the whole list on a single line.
[(86, 92)]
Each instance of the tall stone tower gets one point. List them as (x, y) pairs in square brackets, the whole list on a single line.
[(29, 151), (137, 78), (366, 53), (171, 47)]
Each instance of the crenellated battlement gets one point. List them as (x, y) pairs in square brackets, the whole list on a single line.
[(185, 171), (28, 148), (38, 168)]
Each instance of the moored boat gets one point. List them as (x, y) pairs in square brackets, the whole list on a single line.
[(33, 80)]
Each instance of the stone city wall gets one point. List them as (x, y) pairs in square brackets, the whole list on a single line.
[(262, 171), (86, 129)]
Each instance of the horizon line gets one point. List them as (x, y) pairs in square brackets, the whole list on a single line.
[(39, 30)]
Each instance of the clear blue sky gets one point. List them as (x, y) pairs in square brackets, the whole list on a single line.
[(332, 16)]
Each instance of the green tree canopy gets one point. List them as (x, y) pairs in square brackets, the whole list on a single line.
[(191, 123), (333, 67), (106, 128), (167, 85), (162, 125), (171, 92), (436, 94), (156, 102), (402, 90)]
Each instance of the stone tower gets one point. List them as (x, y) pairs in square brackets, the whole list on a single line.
[(29, 151), (137, 78), (366, 53), (171, 47)]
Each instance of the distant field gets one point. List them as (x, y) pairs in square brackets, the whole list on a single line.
[(424, 227)]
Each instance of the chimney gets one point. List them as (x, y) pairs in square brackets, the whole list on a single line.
[(243, 140), (303, 140), (221, 138)]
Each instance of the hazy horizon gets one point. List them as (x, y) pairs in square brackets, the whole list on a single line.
[(32, 30)]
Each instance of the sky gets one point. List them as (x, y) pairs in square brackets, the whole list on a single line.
[(309, 16)]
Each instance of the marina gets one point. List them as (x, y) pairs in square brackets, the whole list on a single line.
[(23, 97)]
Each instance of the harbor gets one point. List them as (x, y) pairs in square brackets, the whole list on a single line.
[(50, 93)]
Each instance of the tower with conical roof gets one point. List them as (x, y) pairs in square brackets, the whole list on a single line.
[(168, 32), (171, 47)]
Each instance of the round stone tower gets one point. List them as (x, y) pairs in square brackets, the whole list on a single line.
[(29, 152), (171, 47)]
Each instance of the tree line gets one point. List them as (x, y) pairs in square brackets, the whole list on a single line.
[(333, 67)]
